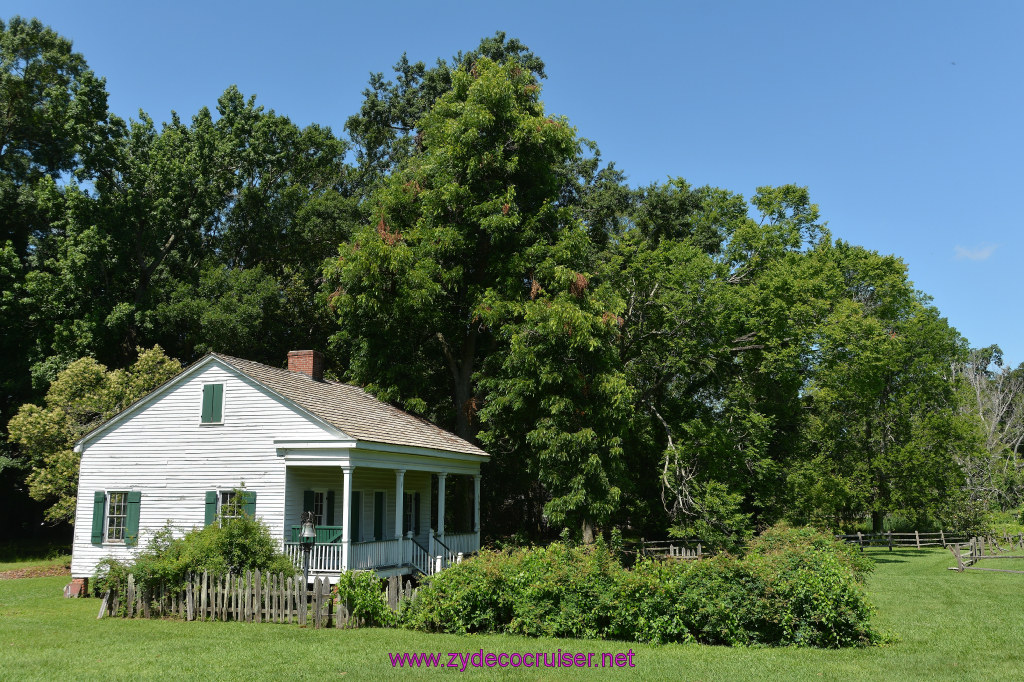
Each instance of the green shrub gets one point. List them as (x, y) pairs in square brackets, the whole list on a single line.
[(236, 544), (554, 591), (797, 545), (362, 592), (796, 586)]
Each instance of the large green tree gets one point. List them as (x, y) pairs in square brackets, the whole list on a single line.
[(53, 124), (83, 396), (206, 235), (884, 432), (460, 224), (384, 131), (53, 114)]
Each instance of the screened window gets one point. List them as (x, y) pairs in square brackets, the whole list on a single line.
[(408, 513), (320, 508), (117, 516)]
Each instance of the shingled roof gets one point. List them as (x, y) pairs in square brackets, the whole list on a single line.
[(351, 409)]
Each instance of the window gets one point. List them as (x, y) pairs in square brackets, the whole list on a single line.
[(319, 508), (411, 513), (229, 506), (379, 507), (117, 516), (213, 404), (321, 504)]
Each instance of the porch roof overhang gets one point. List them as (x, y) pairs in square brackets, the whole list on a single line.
[(358, 453)]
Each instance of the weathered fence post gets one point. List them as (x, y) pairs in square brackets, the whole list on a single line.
[(189, 596), (393, 592), (316, 603), (104, 605), (130, 597), (890, 541), (942, 538), (204, 593), (330, 602), (257, 599), (860, 541), (917, 539)]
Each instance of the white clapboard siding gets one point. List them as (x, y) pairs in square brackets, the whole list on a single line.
[(166, 453)]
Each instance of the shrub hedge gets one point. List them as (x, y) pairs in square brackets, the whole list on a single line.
[(795, 586), (237, 544)]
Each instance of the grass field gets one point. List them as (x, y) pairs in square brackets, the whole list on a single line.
[(962, 626)]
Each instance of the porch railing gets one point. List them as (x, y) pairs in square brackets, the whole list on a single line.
[(325, 535), (322, 558), (420, 558), (365, 555), (437, 555), (464, 543)]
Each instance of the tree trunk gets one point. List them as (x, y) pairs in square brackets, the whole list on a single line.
[(876, 521), (461, 368), (588, 532)]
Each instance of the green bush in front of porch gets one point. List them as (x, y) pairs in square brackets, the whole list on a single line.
[(794, 587)]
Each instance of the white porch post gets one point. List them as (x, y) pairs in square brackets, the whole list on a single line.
[(440, 505), (476, 508), (346, 515), (399, 512)]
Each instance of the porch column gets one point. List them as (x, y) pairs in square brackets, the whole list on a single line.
[(399, 512), (476, 503), (346, 515), (440, 505)]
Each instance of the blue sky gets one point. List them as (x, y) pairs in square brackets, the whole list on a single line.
[(904, 119)]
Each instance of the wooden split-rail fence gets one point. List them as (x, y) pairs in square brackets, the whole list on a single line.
[(978, 548), (916, 539)]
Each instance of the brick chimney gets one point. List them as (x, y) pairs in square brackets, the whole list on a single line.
[(309, 362)]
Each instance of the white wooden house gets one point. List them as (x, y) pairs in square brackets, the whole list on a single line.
[(376, 478)]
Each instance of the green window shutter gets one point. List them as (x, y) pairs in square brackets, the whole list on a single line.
[(356, 518), (329, 512), (416, 508), (218, 403), (131, 534), (207, 404), (99, 509), (213, 403), (211, 506), (378, 516), (249, 503), (307, 500)]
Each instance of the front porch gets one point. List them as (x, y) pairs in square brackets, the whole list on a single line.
[(393, 521), (397, 556)]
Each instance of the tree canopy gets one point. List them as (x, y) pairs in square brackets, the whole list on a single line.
[(659, 359)]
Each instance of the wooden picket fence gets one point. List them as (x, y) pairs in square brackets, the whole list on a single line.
[(253, 597), (979, 548)]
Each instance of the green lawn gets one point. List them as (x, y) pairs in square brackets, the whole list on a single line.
[(963, 626)]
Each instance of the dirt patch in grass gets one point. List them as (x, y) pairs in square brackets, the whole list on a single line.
[(36, 572)]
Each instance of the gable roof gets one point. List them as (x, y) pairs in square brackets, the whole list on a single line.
[(347, 408), (350, 409)]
